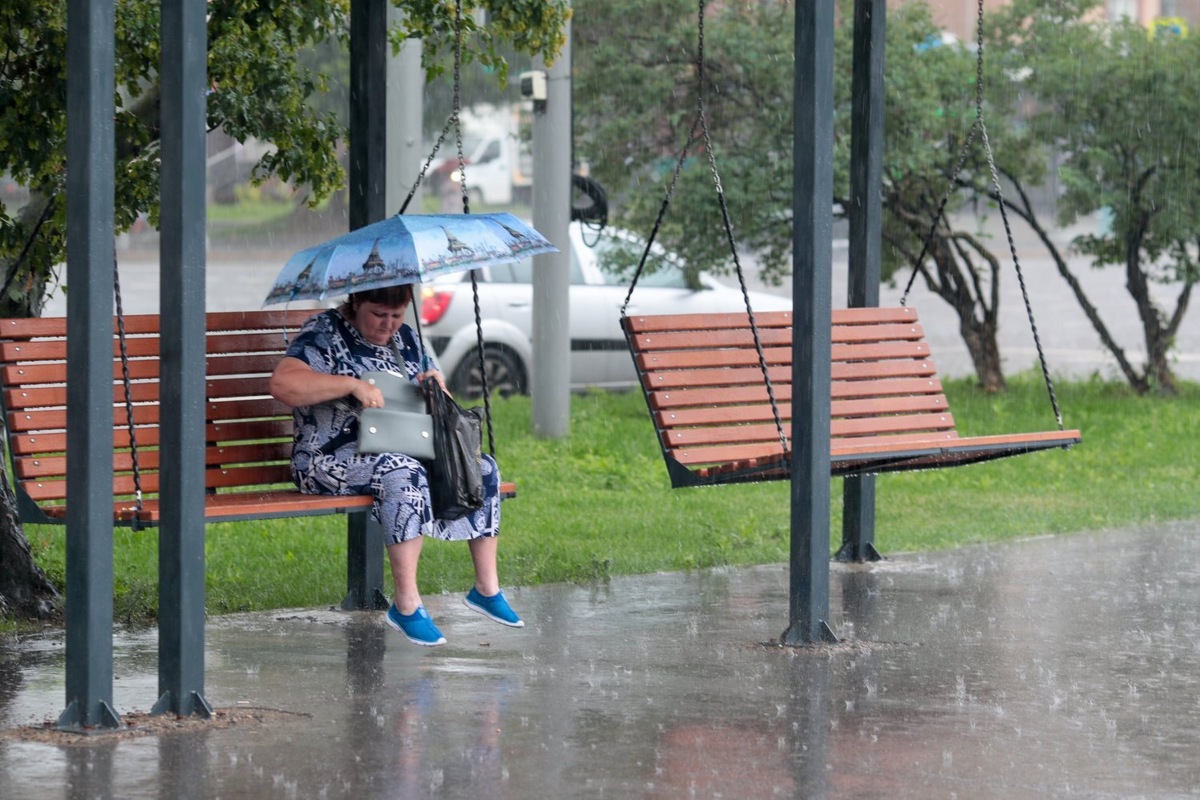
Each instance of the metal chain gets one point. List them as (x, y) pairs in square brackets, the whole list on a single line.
[(412, 192), (701, 123), (1012, 248), (958, 168), (712, 166), (127, 382), (462, 165), (466, 204), (981, 126), (662, 212)]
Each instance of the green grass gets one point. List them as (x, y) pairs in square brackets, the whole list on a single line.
[(598, 503), (249, 213)]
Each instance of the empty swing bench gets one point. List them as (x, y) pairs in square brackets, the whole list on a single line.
[(716, 420)]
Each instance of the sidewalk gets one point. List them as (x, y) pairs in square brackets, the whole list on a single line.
[(1055, 667)]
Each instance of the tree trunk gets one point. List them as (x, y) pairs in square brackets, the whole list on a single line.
[(974, 294), (980, 338), (24, 589)]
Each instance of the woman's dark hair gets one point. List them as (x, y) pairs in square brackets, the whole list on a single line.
[(390, 296)]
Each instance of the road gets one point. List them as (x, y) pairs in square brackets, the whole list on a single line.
[(239, 279)]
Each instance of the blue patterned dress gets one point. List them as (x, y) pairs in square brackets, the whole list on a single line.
[(325, 457)]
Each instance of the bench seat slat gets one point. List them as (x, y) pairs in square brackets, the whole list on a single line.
[(148, 459), (872, 406), (54, 440), (272, 504), (782, 375)]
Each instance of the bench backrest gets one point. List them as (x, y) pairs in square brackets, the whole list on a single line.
[(709, 402), (248, 433)]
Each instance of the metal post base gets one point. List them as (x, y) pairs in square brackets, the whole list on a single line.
[(794, 637), (71, 720), (200, 706), (375, 601), (852, 553)]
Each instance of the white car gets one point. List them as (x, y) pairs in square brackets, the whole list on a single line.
[(599, 354)]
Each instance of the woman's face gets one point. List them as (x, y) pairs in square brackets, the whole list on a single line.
[(377, 322)]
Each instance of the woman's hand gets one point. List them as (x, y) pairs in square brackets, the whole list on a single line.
[(295, 383), (368, 394), (437, 376)]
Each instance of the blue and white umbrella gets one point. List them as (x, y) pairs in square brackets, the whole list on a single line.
[(403, 249)]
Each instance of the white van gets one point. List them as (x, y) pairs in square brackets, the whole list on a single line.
[(498, 171)]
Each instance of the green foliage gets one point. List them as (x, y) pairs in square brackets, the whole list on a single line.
[(598, 504), (642, 58), (1123, 109), (259, 89)]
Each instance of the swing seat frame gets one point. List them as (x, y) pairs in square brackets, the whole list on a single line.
[(703, 383)]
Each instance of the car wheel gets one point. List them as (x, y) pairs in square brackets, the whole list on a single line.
[(505, 373)]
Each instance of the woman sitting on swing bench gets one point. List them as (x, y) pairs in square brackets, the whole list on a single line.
[(320, 378)]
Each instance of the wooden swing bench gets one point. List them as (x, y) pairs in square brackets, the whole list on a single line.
[(704, 384), (248, 434)]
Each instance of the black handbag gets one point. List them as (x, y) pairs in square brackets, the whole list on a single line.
[(456, 474)]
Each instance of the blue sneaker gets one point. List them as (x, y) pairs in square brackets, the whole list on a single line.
[(495, 608), (417, 626)]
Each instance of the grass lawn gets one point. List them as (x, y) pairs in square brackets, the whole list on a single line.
[(598, 503)]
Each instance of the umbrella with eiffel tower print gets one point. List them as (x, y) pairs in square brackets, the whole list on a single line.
[(405, 249)]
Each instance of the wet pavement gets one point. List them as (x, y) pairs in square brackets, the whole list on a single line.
[(1063, 666)]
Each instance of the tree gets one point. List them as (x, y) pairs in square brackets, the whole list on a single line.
[(1121, 107), (641, 58), (259, 89)]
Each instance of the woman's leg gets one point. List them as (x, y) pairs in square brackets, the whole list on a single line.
[(486, 597), (403, 558), (483, 555)]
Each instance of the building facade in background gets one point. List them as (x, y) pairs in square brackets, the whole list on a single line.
[(1164, 16)]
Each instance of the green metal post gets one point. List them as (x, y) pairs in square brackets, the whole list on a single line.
[(812, 256), (90, 203), (866, 236), (181, 564)]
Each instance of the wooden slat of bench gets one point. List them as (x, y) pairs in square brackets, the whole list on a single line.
[(268, 504), (767, 319), (782, 375), (696, 446), (40, 327), (896, 453), (773, 338), (48, 466), (858, 380), (762, 412), (887, 387), (748, 357), (47, 489), (247, 408), (217, 342), (44, 440), (240, 505)]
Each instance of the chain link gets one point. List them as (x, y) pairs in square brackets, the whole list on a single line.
[(128, 384), (978, 126)]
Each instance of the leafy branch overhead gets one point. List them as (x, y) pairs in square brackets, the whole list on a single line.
[(258, 89)]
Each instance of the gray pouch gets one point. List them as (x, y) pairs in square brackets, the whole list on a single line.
[(402, 425)]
